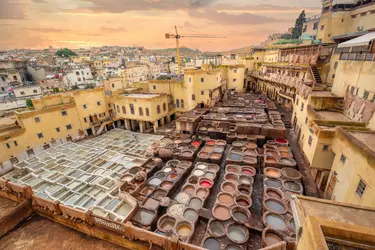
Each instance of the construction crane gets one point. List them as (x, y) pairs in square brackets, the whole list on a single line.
[(178, 37)]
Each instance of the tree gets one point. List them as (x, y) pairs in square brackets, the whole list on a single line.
[(298, 26), (65, 52), (29, 103)]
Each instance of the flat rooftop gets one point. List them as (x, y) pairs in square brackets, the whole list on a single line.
[(141, 95), (367, 139), (333, 116), (322, 94)]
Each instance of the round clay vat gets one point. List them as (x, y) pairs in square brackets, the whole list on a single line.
[(202, 129), (221, 142), (219, 149), (283, 148), (206, 183), (201, 166), (210, 142), (202, 193), (178, 141), (221, 212), (198, 172), (285, 154), (282, 142), (189, 189), (225, 199), (250, 160), (187, 153), (274, 221), (274, 193), (184, 165), (166, 223), (134, 170), (186, 141), (250, 152), (272, 172), (160, 175), (195, 144), (237, 144), (213, 168), (245, 189), (166, 185), (229, 187), (274, 205), (216, 228), (249, 171), (190, 214), (291, 174), (211, 244), (233, 169), (184, 229), (193, 180), (235, 156), (173, 163), (247, 180), (195, 203), (238, 233), (154, 181), (172, 176), (158, 194), (176, 210), (127, 177), (275, 183), (215, 156), (210, 175), (203, 155), (271, 142), (271, 237), (182, 198), (231, 177), (232, 247), (241, 137), (270, 152), (288, 162), (293, 186), (271, 159), (251, 145), (244, 201), (167, 169), (147, 190), (240, 214)]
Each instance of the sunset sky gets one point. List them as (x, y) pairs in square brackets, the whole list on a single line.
[(85, 23)]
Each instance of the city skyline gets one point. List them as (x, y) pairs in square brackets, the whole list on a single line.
[(89, 23)]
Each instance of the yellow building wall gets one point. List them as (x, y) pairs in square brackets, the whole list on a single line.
[(356, 167), (271, 55), (236, 78)]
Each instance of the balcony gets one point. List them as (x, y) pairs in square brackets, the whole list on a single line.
[(290, 81), (102, 120), (286, 95)]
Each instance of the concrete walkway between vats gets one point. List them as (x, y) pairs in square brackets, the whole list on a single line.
[(303, 165)]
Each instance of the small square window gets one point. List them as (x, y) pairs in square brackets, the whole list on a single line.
[(342, 159), (306, 120), (333, 75), (15, 143), (40, 135), (202, 92), (360, 188), (234, 79), (85, 119), (302, 106), (64, 113), (154, 87), (322, 27), (325, 147), (57, 130), (189, 79), (336, 64), (352, 90), (113, 85), (37, 119), (35, 91), (68, 127), (310, 140), (84, 106), (297, 102), (365, 95), (22, 92), (235, 71), (7, 144), (98, 103), (109, 105), (202, 79)]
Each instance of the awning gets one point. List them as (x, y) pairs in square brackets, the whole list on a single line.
[(359, 41)]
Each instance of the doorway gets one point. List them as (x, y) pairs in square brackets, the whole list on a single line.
[(30, 152), (89, 132)]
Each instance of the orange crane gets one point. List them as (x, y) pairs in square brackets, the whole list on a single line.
[(178, 37)]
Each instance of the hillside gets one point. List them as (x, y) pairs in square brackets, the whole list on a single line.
[(171, 50), (240, 50)]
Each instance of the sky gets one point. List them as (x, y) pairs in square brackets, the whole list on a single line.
[(37, 24)]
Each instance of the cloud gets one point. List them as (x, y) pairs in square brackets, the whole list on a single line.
[(47, 30), (121, 6), (230, 19), (10, 9), (89, 34), (39, 1), (112, 30), (265, 8), (190, 25)]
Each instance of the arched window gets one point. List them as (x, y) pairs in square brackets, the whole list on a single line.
[(158, 109), (193, 97), (164, 107), (147, 112), (123, 110), (118, 109), (182, 103), (140, 111), (177, 103)]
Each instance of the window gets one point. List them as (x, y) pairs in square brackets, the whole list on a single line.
[(15, 78), (352, 90), (297, 102), (7, 144), (84, 106), (182, 103), (131, 109), (310, 140), (69, 127), (98, 103), (164, 107), (37, 119), (325, 147), (363, 13), (22, 93), (193, 97), (189, 79), (302, 106), (343, 159), (336, 64), (154, 87), (58, 129), (235, 71), (306, 120), (113, 85), (356, 93), (109, 105), (353, 16), (40, 135), (147, 112), (365, 95), (140, 110), (322, 27), (202, 79), (79, 79), (118, 108), (234, 79), (35, 91), (158, 109), (82, 73), (305, 28), (202, 92), (123, 110), (177, 103), (15, 143), (64, 113), (77, 73), (333, 75), (360, 188)]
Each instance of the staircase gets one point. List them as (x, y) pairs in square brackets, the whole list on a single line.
[(316, 75), (100, 130)]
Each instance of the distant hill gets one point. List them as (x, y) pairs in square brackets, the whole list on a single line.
[(240, 50), (183, 49)]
